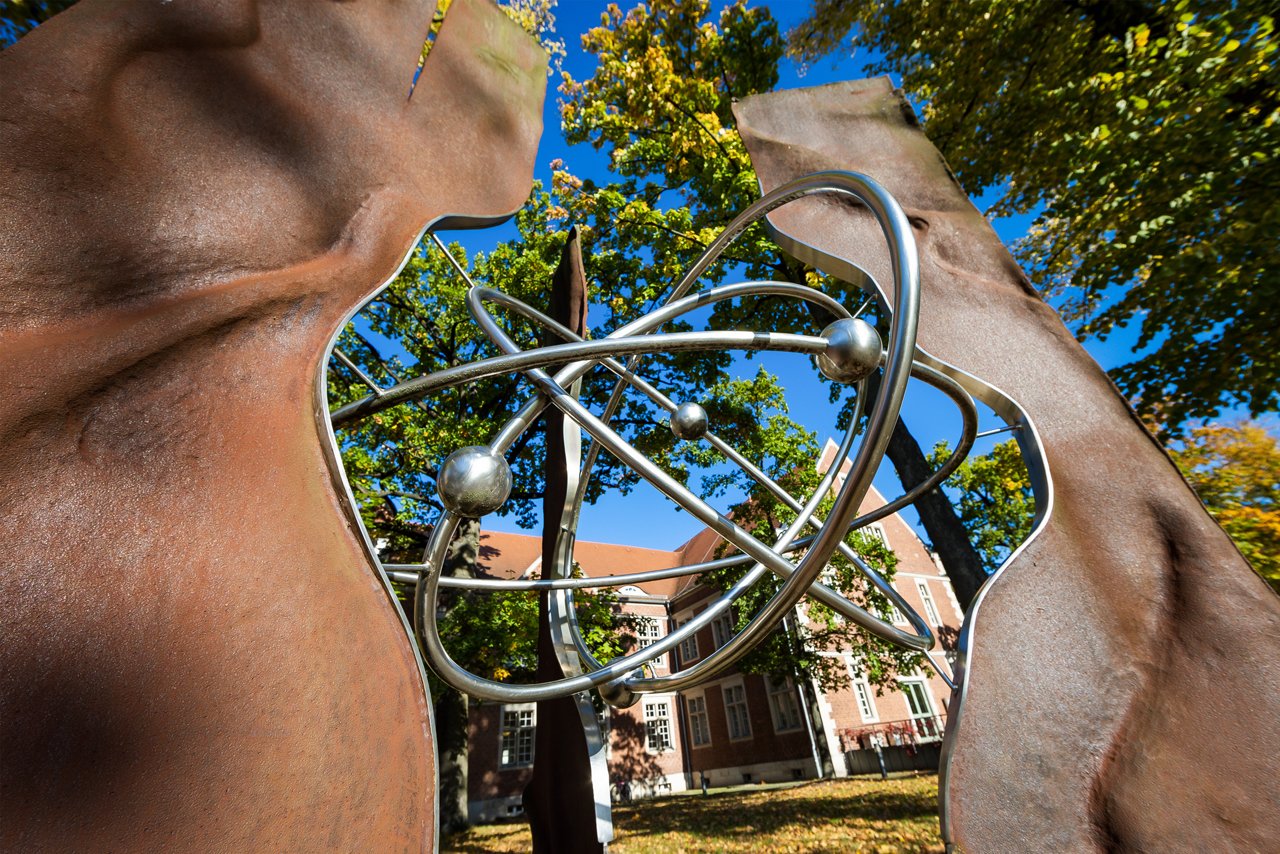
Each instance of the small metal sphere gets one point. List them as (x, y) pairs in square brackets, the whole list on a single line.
[(474, 481), (617, 694), (853, 350), (689, 421)]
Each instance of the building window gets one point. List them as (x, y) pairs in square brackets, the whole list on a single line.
[(735, 709), (648, 632), (785, 706), (657, 726), (893, 615), (699, 723), (828, 576), (917, 700), (922, 719), (876, 533), (930, 609), (866, 705), (519, 723), (689, 647), (722, 629)]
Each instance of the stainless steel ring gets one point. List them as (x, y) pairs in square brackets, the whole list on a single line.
[(829, 537)]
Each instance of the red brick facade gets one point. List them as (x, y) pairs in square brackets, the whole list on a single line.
[(737, 728)]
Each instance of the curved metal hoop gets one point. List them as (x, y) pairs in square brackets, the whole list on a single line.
[(798, 578)]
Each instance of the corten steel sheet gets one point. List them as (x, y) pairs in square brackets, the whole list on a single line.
[(558, 799), (196, 651), (1123, 682)]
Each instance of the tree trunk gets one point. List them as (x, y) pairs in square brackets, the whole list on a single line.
[(946, 533), (451, 741), (452, 709)]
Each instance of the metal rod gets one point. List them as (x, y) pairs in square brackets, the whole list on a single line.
[(363, 377), (1008, 428)]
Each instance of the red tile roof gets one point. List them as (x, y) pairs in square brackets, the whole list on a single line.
[(509, 555)]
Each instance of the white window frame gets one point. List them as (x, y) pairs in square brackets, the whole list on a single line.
[(876, 531), (828, 576), (930, 609), (931, 707), (784, 691), (697, 706), (743, 716), (866, 701), (689, 646), (894, 615), (648, 631), (920, 684), (722, 629), (656, 713), (522, 727)]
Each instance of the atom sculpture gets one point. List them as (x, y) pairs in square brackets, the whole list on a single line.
[(476, 480)]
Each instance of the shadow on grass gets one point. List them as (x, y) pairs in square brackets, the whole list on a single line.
[(508, 836), (737, 816), (829, 816)]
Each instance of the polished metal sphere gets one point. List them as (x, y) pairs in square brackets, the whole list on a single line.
[(853, 350), (689, 421), (618, 695), (474, 481)]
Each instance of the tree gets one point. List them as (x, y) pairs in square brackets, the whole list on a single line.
[(993, 493), (1235, 469), (1146, 138), (659, 103)]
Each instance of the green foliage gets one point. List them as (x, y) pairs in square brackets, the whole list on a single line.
[(1147, 135), (1235, 469), (494, 634), (659, 103), (993, 495)]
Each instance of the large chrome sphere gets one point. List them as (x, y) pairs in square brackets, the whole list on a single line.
[(853, 350), (474, 481), (689, 421)]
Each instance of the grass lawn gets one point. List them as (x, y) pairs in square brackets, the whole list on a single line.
[(867, 815)]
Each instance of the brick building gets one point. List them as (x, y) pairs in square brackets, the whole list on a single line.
[(737, 728)]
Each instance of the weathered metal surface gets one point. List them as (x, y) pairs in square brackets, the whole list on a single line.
[(570, 769), (1122, 688), (195, 196)]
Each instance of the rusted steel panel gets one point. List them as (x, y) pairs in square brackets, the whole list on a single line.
[(196, 651), (1123, 683)]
